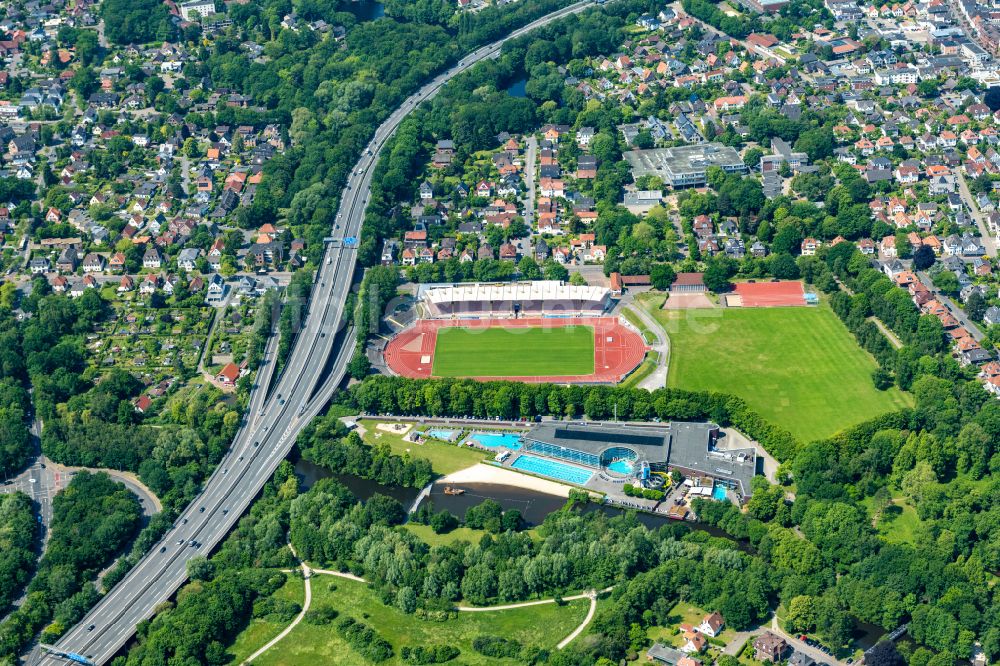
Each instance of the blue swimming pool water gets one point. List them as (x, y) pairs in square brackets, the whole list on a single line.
[(494, 440), (438, 433), (551, 468), (719, 493), (621, 466)]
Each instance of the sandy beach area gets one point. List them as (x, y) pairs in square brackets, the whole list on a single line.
[(394, 428), (482, 473)]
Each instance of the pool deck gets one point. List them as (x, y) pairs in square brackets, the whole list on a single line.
[(483, 473)]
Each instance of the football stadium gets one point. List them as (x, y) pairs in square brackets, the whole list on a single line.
[(525, 331)]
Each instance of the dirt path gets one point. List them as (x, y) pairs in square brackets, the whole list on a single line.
[(305, 608), (583, 625), (896, 342), (307, 574)]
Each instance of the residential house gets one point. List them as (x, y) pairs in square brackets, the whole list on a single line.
[(152, 259), (770, 647), (188, 258), (712, 624), (228, 375), (93, 263)]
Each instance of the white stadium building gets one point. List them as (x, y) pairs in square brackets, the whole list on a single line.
[(539, 298)]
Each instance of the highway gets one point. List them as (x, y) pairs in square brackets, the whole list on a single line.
[(272, 421)]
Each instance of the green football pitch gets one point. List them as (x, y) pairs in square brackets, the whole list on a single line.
[(514, 352), (799, 367)]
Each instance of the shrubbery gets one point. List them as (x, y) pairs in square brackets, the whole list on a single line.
[(436, 654), (645, 493), (364, 640), (321, 615)]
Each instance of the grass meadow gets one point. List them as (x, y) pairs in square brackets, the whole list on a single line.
[(797, 366)]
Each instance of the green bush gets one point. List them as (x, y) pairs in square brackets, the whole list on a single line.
[(435, 654), (321, 615), (364, 640)]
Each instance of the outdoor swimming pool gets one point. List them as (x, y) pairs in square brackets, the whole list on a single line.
[(621, 467), (494, 440), (438, 433), (553, 469), (719, 492)]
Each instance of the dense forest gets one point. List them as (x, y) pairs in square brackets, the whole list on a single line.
[(18, 536), (93, 518)]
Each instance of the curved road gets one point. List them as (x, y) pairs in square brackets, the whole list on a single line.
[(272, 422)]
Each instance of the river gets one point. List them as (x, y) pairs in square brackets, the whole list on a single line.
[(534, 506)]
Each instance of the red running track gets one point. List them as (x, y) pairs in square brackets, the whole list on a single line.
[(770, 294), (618, 350)]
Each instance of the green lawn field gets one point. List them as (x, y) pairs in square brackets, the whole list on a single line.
[(445, 457), (543, 626), (514, 352), (799, 367)]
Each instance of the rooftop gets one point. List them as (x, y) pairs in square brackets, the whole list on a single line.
[(670, 163), (541, 290)]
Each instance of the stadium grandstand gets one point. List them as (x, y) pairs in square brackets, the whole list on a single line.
[(538, 298)]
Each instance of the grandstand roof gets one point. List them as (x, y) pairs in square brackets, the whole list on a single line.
[(541, 290)]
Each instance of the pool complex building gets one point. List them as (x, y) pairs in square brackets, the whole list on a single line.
[(635, 452)]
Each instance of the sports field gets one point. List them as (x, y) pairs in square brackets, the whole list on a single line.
[(799, 367), (508, 352)]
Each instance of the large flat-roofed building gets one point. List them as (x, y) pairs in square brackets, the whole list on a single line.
[(684, 166), (542, 297), (196, 9), (764, 6), (687, 447)]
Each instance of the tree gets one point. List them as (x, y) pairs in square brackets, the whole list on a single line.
[(817, 143), (975, 306), (783, 266), (662, 276), (947, 282), (801, 614), (884, 653), (136, 21), (716, 278), (923, 258), (200, 568), (928, 88), (751, 158)]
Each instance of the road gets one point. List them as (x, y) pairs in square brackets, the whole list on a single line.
[(989, 241), (953, 307), (801, 646), (529, 179), (272, 423), (657, 378)]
